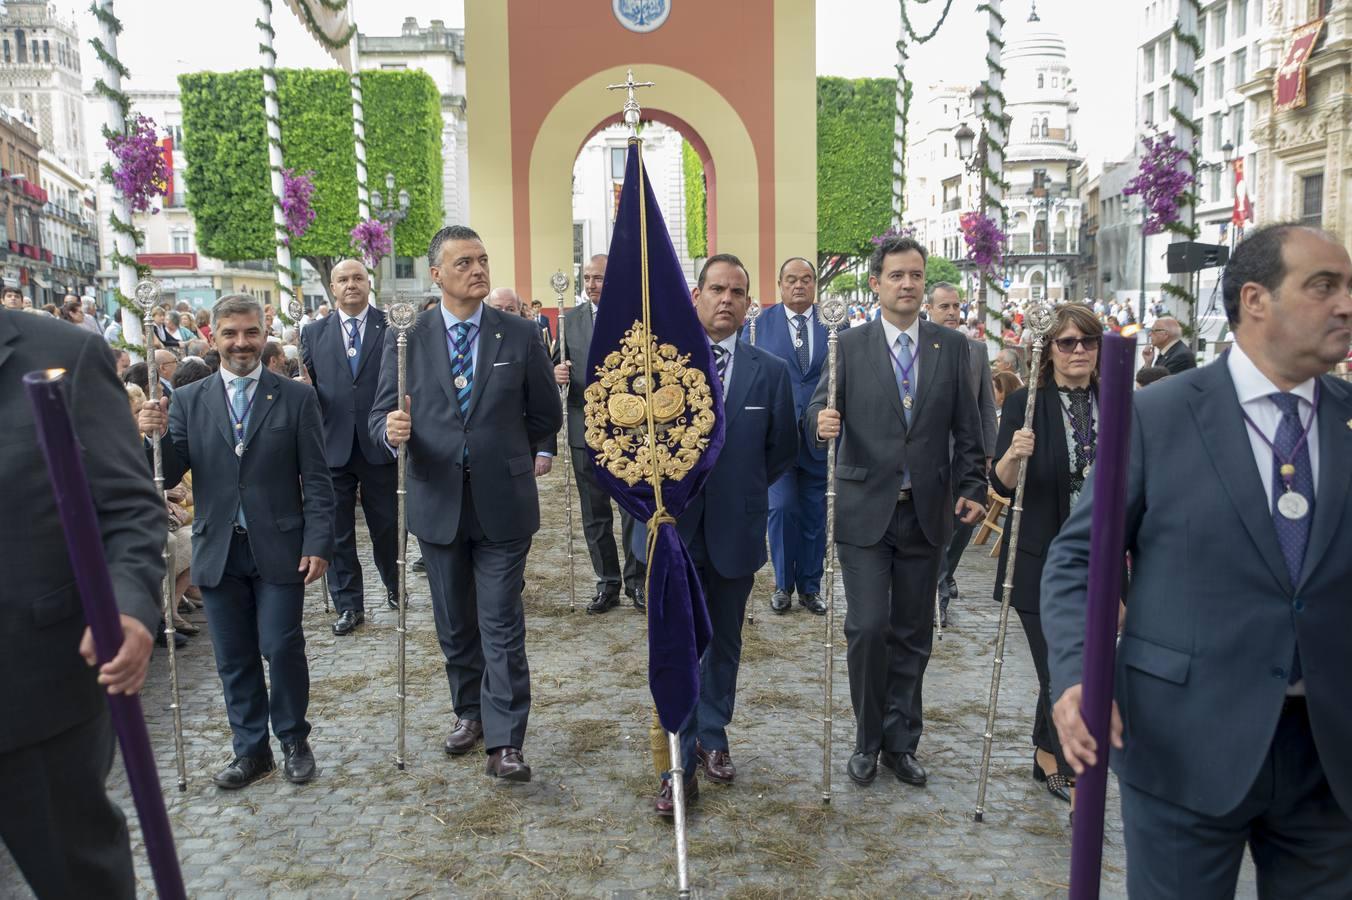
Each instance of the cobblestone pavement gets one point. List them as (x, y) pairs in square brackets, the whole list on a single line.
[(584, 826)]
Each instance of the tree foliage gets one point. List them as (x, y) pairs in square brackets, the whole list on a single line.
[(940, 268), (228, 177), (696, 203), (854, 167)]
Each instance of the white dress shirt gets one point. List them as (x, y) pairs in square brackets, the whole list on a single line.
[(1254, 388), (891, 333), (729, 344), (793, 328), (344, 319)]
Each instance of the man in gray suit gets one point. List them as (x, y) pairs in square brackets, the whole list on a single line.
[(597, 516), (56, 741), (945, 308), (1232, 724), (481, 391), (910, 442)]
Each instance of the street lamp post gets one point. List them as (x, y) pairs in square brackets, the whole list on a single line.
[(976, 162), (391, 215), (1228, 150)]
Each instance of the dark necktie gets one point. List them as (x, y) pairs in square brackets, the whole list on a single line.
[(354, 345), (721, 363), (462, 368), (1292, 534), (800, 346)]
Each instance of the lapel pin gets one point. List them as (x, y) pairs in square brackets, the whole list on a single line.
[(1349, 423), (269, 396), (497, 335), (936, 346)]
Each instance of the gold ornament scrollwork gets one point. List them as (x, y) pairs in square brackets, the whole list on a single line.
[(616, 411)]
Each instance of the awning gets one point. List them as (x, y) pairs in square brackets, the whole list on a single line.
[(37, 279), (1289, 90)]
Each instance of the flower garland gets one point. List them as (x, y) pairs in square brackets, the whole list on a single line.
[(1189, 134), (996, 128), (141, 173), (1162, 182), (903, 107), (985, 240), (296, 193), (372, 240)]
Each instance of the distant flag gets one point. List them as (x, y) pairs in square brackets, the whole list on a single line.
[(1243, 211)]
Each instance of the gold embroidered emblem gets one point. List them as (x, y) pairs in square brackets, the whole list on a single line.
[(616, 411)]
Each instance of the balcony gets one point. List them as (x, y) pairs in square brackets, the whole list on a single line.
[(951, 205), (1019, 244)]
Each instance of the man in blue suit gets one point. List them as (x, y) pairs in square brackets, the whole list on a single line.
[(262, 530), (1232, 724), (723, 526), (341, 356), (792, 332)]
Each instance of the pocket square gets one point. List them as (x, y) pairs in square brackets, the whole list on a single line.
[(753, 407), (507, 363)]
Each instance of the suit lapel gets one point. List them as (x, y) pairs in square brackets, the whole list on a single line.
[(265, 397), (1221, 424), (336, 341), (1050, 426), (744, 369), (9, 333), (1335, 476), (880, 358), (585, 324), (928, 349), (490, 339), (372, 342), (216, 403), (432, 327)]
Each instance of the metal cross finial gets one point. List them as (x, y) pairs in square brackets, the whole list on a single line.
[(631, 107)]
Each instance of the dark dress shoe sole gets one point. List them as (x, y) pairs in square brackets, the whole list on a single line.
[(300, 777), (341, 629), (459, 750), (904, 776), (862, 780), (520, 776)]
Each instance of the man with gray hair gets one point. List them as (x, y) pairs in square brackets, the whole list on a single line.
[(1167, 348), (1007, 360)]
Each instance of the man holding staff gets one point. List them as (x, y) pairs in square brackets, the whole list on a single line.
[(1234, 726), (903, 399)]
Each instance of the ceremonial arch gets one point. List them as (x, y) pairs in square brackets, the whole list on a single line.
[(738, 80)]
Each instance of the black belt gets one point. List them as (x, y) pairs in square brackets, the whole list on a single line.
[(904, 495), (240, 530)]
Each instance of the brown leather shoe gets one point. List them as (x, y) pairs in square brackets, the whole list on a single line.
[(465, 737), (665, 804), (508, 764), (717, 764)]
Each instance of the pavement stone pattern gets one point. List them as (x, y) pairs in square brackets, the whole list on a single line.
[(584, 826)]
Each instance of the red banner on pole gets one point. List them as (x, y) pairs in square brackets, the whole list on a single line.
[(1289, 91), (1243, 211)]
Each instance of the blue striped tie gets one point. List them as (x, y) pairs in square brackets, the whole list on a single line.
[(462, 364), (354, 343)]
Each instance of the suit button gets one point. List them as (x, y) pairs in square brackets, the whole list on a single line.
[(1298, 605), (1279, 672)]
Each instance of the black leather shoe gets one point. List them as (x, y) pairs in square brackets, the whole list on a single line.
[(348, 622), (604, 601), (180, 639), (464, 737), (639, 599), (299, 766), (905, 767), (813, 603), (863, 768), (392, 600), (780, 601), (507, 764), (419, 565), (243, 771)]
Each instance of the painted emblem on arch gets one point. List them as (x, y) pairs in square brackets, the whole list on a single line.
[(641, 16)]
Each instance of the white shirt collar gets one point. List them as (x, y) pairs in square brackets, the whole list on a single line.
[(1251, 384), (891, 332), (728, 343), (594, 308), (227, 376), (344, 318), (806, 314), (451, 320)]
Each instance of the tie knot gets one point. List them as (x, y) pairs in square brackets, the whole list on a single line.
[(461, 329), (800, 320), (241, 385), (1289, 404), (903, 340), (720, 353)]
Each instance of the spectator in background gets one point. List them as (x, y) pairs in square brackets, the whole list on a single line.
[(162, 335), (71, 311), (12, 297), (91, 311), (1150, 375), (52, 310), (204, 325), (1003, 384), (167, 364), (123, 359), (187, 327), (1167, 348), (113, 331), (1114, 324), (1008, 360), (274, 358), (196, 347), (213, 359), (321, 312)]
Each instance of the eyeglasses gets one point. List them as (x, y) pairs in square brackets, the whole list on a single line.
[(1068, 344)]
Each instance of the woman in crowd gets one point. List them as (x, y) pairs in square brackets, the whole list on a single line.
[(1060, 449), (1003, 384), (162, 336), (204, 324), (187, 328)]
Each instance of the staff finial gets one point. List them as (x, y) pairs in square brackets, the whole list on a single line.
[(631, 108)]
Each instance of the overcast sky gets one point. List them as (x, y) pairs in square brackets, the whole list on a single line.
[(855, 38)]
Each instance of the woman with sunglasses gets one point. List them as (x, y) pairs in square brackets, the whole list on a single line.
[(1065, 422)]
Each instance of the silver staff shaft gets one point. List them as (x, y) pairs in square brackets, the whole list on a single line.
[(938, 618), (401, 513), (1011, 556), (566, 460), (168, 602), (832, 319), (677, 776), (752, 314)]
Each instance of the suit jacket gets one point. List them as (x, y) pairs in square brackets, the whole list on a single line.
[(1178, 359), (876, 444), (344, 401), (47, 686), (772, 336), (577, 335), (979, 362), (513, 408), (761, 444), (1046, 495), (282, 480), (1212, 615)]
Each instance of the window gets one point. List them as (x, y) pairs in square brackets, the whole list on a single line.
[(1218, 26), (1215, 180), (1040, 80), (1044, 126), (617, 163), (1200, 78), (1166, 56), (46, 52), (1217, 132), (1241, 17), (1056, 82), (1237, 123), (1240, 66), (1035, 128), (1148, 64), (403, 267), (393, 67), (1312, 200), (6, 51), (1148, 109), (1164, 104), (21, 45), (1218, 80), (179, 242)]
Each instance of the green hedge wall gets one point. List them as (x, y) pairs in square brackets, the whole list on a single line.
[(696, 203), (225, 142), (855, 121)]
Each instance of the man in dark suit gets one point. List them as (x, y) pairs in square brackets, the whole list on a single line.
[(482, 395), (537, 312), (797, 527), (341, 355), (597, 512), (262, 529), (1232, 724), (1167, 348), (910, 441), (945, 308), (56, 744)]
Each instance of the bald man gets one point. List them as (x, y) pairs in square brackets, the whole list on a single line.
[(506, 300), (1167, 348), (167, 364)]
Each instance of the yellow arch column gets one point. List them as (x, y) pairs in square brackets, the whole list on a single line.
[(579, 110), (795, 135), (490, 142)]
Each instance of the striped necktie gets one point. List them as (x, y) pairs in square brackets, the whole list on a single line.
[(800, 347), (721, 363), (462, 363), (354, 345)]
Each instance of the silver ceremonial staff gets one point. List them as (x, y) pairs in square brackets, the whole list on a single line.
[(147, 295), (296, 310), (832, 314), (559, 282), (1038, 320), (402, 315), (753, 312)]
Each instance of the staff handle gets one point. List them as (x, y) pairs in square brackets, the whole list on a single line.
[(832, 315)]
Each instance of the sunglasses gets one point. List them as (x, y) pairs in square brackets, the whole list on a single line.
[(1068, 344)]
